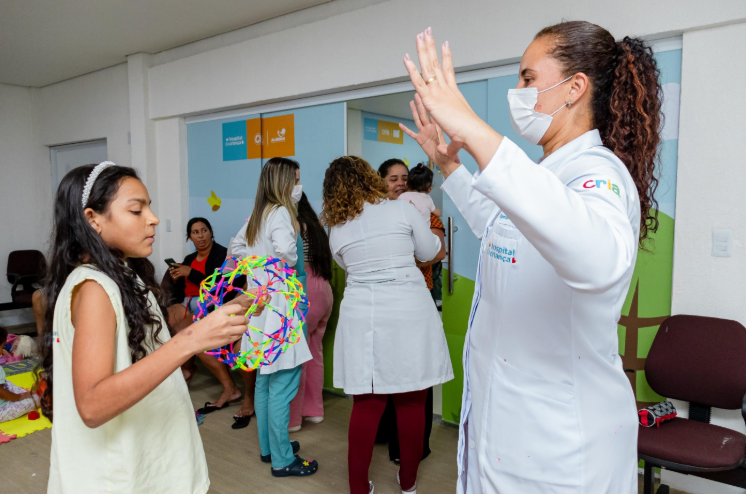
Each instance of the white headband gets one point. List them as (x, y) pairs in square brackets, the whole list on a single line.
[(92, 178)]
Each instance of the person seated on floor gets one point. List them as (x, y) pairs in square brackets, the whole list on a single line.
[(4, 352), (39, 306), (14, 348), (14, 401)]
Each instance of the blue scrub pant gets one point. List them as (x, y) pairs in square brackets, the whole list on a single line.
[(272, 398)]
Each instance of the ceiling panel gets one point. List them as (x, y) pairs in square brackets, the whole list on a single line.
[(47, 41)]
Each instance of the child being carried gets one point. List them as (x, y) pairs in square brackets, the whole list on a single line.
[(419, 185)]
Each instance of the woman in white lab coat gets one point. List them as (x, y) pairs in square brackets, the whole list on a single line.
[(547, 408), (389, 338), (273, 231)]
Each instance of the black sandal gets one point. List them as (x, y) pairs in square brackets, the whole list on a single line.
[(243, 421), (298, 468), (268, 458), (208, 408)]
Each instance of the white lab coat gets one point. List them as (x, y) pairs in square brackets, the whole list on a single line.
[(276, 238), (547, 408), (389, 336)]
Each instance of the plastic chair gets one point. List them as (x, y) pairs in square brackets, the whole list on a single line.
[(701, 360)]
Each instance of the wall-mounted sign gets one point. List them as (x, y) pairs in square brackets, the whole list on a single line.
[(234, 141), (259, 138), (279, 136), (382, 131), (254, 134)]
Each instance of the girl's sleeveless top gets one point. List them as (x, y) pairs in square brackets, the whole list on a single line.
[(153, 447)]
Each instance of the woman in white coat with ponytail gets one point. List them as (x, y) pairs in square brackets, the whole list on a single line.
[(547, 408)]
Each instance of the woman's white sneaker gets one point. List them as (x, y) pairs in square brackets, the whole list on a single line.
[(314, 420), (414, 489)]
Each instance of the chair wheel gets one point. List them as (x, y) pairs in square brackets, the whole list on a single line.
[(663, 489)]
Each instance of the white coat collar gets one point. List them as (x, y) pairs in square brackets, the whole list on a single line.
[(590, 139)]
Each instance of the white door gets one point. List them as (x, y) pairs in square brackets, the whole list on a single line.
[(68, 156)]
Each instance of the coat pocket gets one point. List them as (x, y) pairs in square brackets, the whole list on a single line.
[(532, 434)]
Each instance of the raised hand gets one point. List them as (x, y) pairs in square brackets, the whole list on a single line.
[(430, 137), (441, 98)]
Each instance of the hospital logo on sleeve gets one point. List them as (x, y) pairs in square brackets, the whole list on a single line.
[(502, 254), (602, 184)]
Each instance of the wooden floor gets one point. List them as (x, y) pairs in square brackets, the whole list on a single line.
[(233, 456)]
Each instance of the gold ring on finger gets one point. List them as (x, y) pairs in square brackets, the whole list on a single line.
[(433, 78)]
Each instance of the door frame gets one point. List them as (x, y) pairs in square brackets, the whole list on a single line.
[(53, 156)]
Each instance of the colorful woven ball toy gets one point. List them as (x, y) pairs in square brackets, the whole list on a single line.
[(266, 344)]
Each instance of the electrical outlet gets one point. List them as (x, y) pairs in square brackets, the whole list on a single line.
[(722, 243), (168, 225)]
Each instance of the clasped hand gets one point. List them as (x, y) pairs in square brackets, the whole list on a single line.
[(439, 95)]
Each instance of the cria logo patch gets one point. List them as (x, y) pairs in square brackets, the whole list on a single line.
[(602, 184), (502, 254)]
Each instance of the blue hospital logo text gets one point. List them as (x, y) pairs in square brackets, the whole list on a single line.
[(502, 254)]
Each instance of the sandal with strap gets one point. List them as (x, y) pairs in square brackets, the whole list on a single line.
[(298, 468), (242, 421), (209, 408), (268, 458)]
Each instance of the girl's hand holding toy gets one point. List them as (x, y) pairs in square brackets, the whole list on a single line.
[(223, 326)]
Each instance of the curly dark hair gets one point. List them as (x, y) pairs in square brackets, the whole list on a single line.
[(349, 183), (73, 243), (626, 98), (420, 178)]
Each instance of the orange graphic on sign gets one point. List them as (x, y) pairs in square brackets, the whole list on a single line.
[(390, 132), (278, 136), (254, 139)]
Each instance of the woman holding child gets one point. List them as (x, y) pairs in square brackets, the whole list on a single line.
[(400, 351)]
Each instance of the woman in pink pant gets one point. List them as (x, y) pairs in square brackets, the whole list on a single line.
[(308, 402)]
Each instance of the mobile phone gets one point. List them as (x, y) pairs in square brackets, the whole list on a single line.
[(170, 262)]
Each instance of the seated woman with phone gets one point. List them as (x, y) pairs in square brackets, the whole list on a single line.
[(184, 294)]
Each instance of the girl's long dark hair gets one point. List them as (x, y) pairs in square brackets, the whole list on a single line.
[(320, 261), (73, 243), (626, 98)]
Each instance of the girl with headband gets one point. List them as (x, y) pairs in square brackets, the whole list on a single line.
[(111, 372)]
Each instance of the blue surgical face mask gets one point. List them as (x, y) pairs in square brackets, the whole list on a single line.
[(527, 122)]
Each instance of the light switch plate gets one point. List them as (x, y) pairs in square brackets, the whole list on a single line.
[(722, 243), (168, 225)]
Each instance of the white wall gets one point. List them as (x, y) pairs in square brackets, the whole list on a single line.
[(367, 45), (710, 195), (93, 106), (172, 183), (24, 182), (712, 176)]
